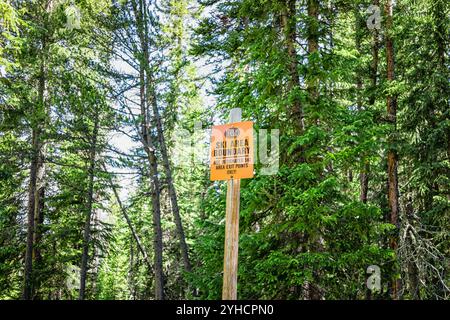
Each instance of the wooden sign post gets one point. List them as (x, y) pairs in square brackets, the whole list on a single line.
[(232, 160)]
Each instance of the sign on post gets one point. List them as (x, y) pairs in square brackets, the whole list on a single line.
[(232, 151), (232, 159)]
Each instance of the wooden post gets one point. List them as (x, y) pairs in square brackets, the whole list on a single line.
[(230, 259)]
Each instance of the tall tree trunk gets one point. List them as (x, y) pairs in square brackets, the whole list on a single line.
[(156, 206), (313, 46), (363, 175), (441, 36), (391, 102), (289, 25), (39, 209), (150, 150), (169, 178), (28, 273), (365, 172), (313, 290), (374, 63), (89, 206), (152, 100), (36, 184)]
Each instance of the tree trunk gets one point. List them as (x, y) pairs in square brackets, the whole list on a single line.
[(374, 64), (365, 164), (290, 32), (365, 172), (441, 38), (156, 206), (28, 276), (36, 184), (313, 290), (150, 150), (89, 206), (152, 100), (313, 46), (363, 175), (393, 195), (169, 179)]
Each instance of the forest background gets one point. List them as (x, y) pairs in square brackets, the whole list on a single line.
[(95, 205)]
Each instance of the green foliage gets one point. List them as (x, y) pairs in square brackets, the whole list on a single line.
[(69, 92)]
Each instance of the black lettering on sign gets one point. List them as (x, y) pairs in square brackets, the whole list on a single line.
[(232, 132)]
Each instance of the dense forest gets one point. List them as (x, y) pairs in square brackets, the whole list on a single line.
[(106, 108)]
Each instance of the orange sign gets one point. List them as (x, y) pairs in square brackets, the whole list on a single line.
[(232, 151)]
